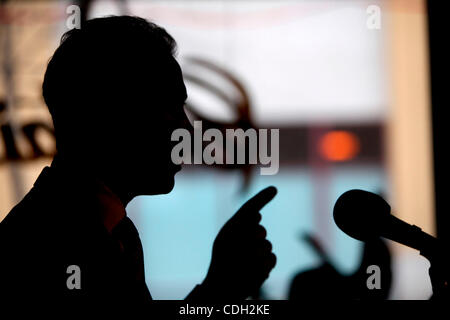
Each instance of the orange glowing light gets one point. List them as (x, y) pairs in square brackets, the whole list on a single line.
[(339, 146)]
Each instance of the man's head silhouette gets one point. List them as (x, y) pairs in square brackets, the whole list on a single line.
[(116, 93)]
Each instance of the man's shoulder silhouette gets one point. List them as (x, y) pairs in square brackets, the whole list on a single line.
[(56, 230)]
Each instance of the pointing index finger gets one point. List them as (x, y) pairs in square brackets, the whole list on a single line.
[(260, 199)]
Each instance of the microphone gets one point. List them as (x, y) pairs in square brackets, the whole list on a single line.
[(364, 215)]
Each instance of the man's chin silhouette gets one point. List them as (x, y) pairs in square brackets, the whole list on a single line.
[(116, 94)]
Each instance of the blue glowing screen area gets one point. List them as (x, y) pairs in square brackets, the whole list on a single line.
[(178, 229)]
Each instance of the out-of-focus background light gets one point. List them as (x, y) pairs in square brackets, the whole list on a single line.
[(339, 146)]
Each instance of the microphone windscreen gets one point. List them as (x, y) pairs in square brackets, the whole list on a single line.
[(361, 214)]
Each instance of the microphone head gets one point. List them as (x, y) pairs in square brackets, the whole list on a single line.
[(361, 214)]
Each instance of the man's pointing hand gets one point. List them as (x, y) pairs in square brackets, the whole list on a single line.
[(242, 257)]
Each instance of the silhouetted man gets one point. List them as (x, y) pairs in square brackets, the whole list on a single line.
[(115, 93)]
